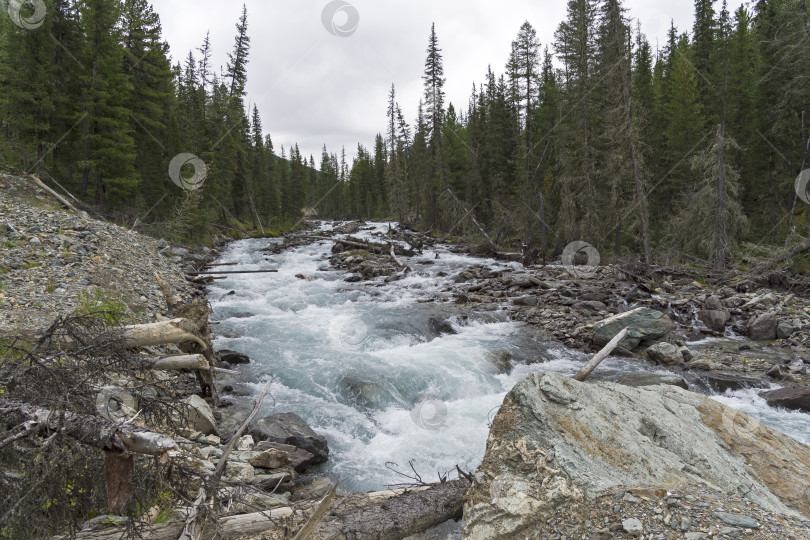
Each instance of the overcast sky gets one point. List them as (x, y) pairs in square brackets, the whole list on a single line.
[(314, 88)]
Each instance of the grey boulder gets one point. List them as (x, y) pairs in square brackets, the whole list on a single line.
[(289, 428), (644, 324)]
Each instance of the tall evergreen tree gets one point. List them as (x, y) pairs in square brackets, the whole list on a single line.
[(108, 163), (575, 46)]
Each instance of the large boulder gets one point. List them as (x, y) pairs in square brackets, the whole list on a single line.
[(790, 398), (714, 319), (289, 428), (665, 353), (644, 324), (556, 442), (763, 327), (714, 315)]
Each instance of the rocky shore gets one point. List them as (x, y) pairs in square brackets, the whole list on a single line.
[(53, 262), (767, 331)]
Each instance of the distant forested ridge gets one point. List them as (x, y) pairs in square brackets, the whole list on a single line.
[(687, 151)]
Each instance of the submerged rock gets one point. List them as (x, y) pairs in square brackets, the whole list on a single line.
[(502, 360), (233, 357), (441, 327), (556, 442), (645, 324), (789, 398)]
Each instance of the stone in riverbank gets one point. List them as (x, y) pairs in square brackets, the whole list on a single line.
[(298, 459), (763, 327), (645, 324), (289, 428), (556, 442), (665, 353)]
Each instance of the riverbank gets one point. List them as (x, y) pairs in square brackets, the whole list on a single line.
[(55, 262)]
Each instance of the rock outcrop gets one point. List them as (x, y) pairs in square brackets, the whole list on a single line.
[(556, 442)]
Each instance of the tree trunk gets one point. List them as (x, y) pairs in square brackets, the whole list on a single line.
[(639, 184), (385, 515), (721, 235), (804, 166), (403, 515), (118, 481)]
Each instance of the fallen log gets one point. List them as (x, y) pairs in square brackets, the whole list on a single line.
[(91, 430), (381, 515), (52, 193), (228, 527), (161, 333), (405, 514), (601, 355), (374, 247), (172, 363), (231, 272)]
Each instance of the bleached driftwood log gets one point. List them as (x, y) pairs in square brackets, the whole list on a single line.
[(160, 333)]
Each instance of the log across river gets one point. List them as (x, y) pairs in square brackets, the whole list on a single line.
[(364, 366)]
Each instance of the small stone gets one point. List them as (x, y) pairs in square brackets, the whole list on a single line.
[(665, 353), (685, 523), (529, 300), (736, 520), (628, 497), (797, 368), (633, 527), (271, 459), (245, 443), (35, 240), (784, 330), (240, 472)]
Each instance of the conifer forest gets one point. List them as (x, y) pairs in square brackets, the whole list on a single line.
[(688, 152)]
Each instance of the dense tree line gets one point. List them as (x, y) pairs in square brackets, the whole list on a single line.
[(690, 150), (90, 99), (687, 150)]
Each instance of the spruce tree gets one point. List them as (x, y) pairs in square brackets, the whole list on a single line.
[(575, 46), (108, 163)]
